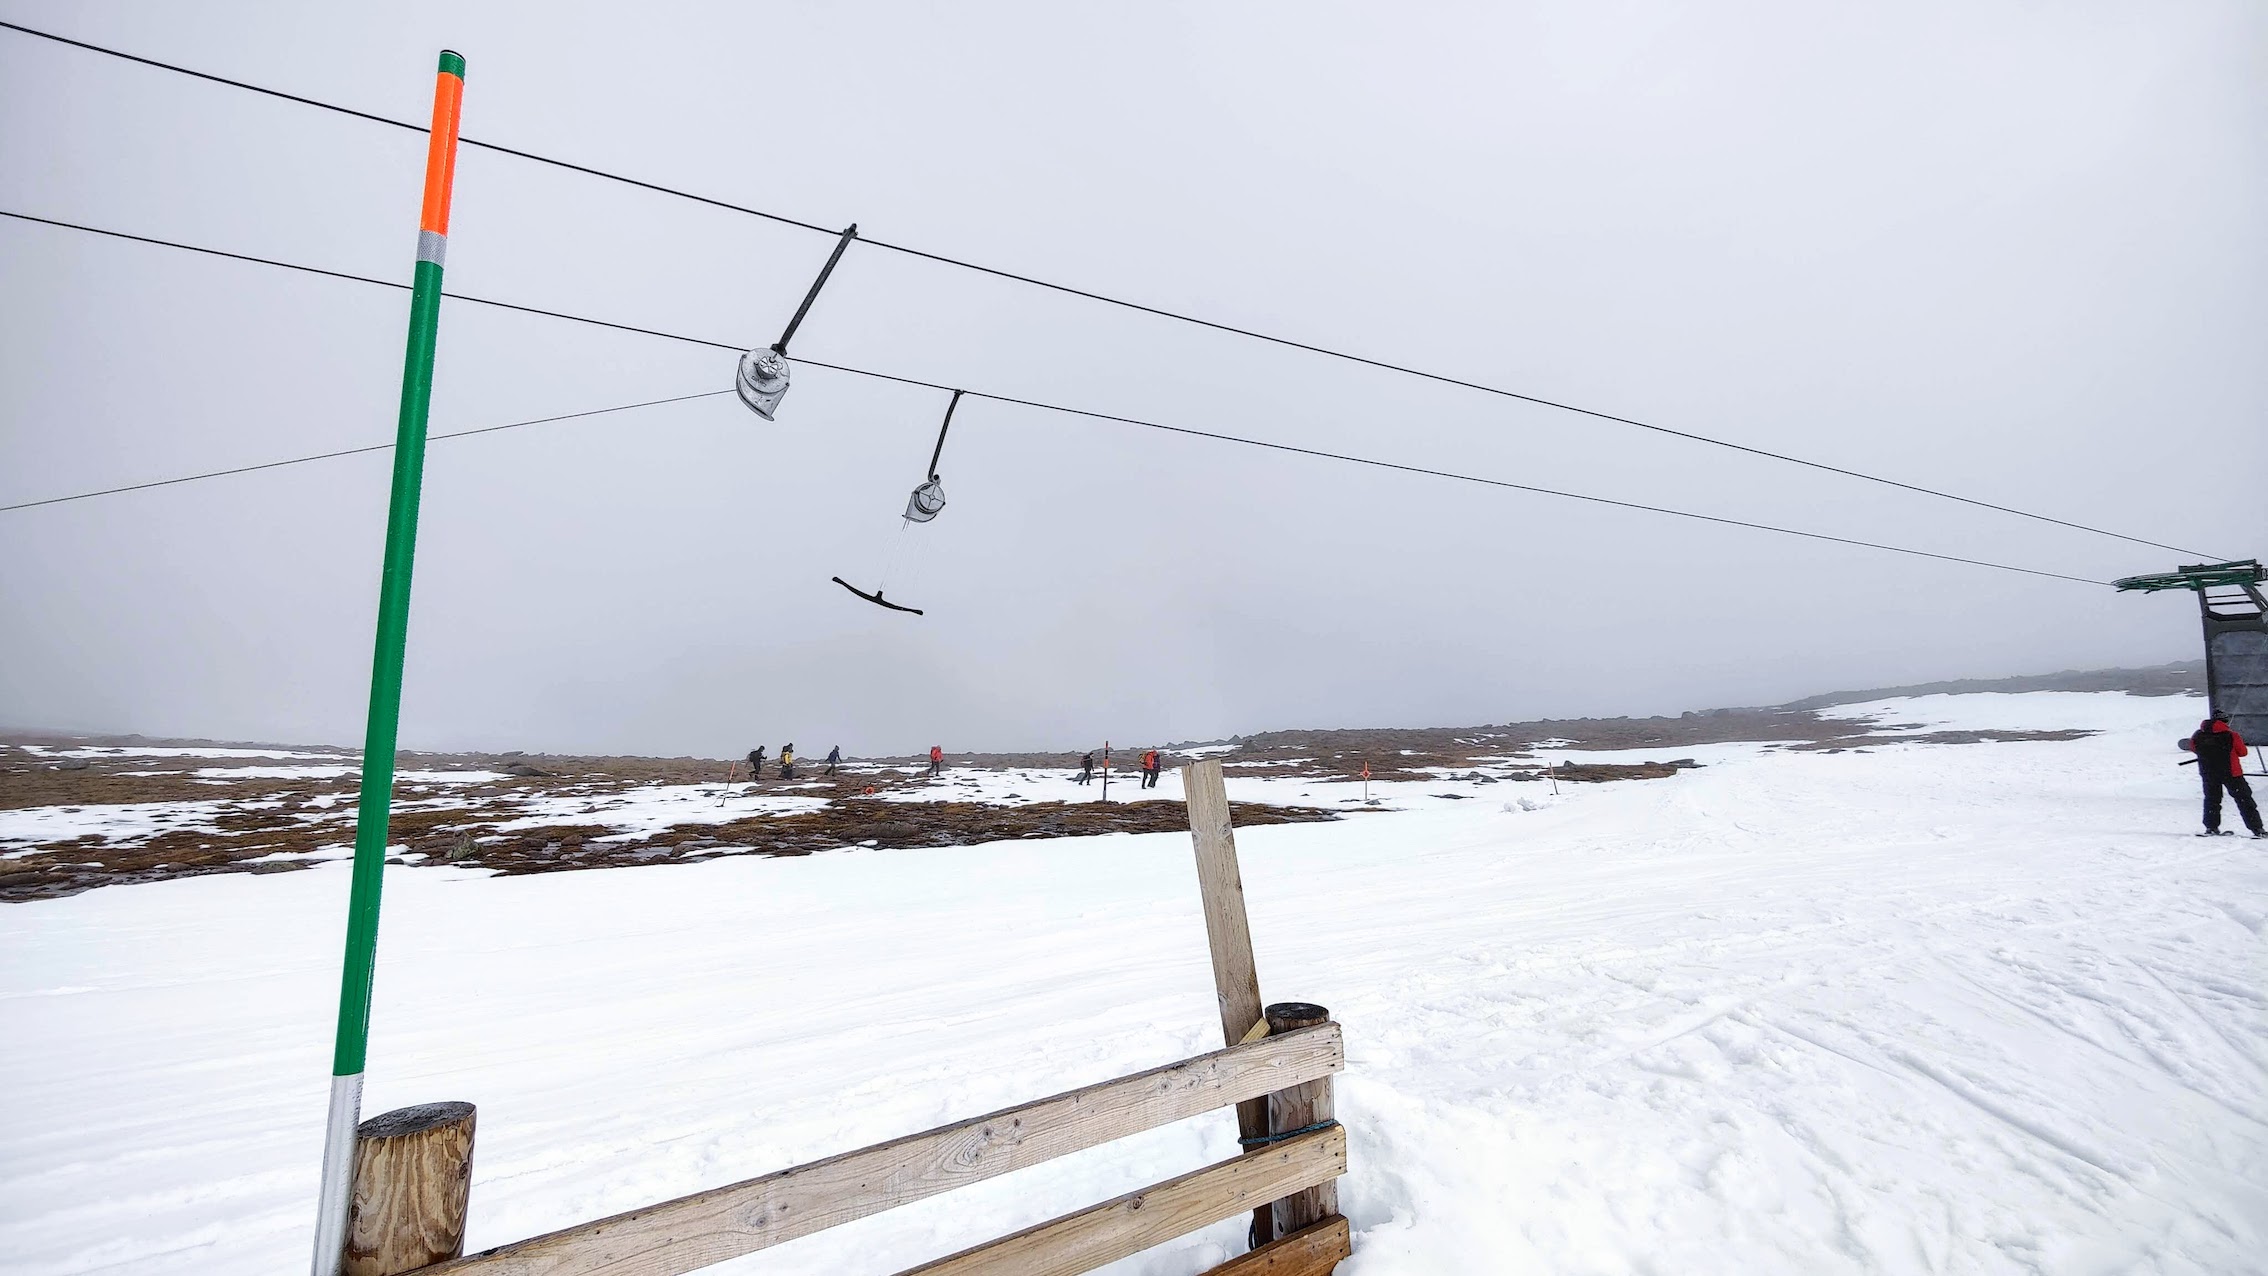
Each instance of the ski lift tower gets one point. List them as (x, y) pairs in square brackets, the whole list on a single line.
[(2236, 636)]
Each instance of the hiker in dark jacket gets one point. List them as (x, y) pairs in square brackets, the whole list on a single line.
[(834, 758), (2220, 764), (1087, 769), (756, 763)]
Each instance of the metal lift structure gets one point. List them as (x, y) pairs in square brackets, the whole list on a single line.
[(2235, 615)]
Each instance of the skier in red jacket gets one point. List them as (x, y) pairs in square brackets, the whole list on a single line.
[(2220, 764)]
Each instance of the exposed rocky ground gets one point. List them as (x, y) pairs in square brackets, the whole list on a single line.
[(79, 812), (86, 817)]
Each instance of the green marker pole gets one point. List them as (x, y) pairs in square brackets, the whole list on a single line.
[(376, 807)]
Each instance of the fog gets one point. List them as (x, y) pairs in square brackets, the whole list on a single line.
[(2009, 250)]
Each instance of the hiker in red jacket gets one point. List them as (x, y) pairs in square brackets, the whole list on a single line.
[(936, 761), (2220, 764)]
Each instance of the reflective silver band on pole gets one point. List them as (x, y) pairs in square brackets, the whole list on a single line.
[(338, 1174)]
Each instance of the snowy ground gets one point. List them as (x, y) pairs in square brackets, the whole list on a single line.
[(1919, 1008)]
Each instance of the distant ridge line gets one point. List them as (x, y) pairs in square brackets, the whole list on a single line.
[(2181, 677)]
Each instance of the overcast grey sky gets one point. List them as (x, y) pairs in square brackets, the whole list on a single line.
[(2010, 249)]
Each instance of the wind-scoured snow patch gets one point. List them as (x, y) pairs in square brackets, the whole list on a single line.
[(333, 773), (273, 772), (2015, 711), (125, 823), (655, 808), (136, 751), (343, 851), (1205, 750)]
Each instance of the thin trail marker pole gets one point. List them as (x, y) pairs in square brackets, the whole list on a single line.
[(1106, 772), (376, 806)]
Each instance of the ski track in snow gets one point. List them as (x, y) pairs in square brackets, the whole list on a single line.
[(1923, 1009)]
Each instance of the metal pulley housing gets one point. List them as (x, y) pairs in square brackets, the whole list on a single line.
[(926, 501), (763, 378), (763, 381)]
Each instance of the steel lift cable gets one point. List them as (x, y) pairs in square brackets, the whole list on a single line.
[(1106, 299), (1071, 411), (358, 451)]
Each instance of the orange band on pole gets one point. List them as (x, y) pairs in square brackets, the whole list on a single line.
[(441, 155)]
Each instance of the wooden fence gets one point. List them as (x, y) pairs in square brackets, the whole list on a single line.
[(413, 1166)]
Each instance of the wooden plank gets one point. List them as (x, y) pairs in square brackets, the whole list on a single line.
[(1311, 1251), (695, 1231), (1134, 1222), (1236, 981), (1236, 978)]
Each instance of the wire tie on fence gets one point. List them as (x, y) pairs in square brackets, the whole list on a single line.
[(1263, 1140)]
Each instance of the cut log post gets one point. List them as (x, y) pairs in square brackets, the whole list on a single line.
[(1301, 1107), (1236, 979), (412, 1182)]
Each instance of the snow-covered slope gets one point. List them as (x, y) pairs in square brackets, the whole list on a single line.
[(1920, 1008)]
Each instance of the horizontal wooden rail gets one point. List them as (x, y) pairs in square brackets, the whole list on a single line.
[(1311, 1251), (1134, 1222), (695, 1231)]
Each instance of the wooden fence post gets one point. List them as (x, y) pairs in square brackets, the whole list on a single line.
[(1301, 1107), (412, 1183), (1236, 980)]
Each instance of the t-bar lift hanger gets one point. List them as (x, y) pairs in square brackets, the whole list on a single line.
[(763, 379), (925, 503)]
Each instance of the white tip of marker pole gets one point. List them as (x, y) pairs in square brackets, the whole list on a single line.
[(338, 1175)]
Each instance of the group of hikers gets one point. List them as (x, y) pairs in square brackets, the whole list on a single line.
[(787, 761), (1151, 764), (834, 760)]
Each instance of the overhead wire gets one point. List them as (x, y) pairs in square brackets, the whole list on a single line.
[(358, 451), (351, 277), (1318, 453), (1106, 299), (1447, 474), (408, 125)]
